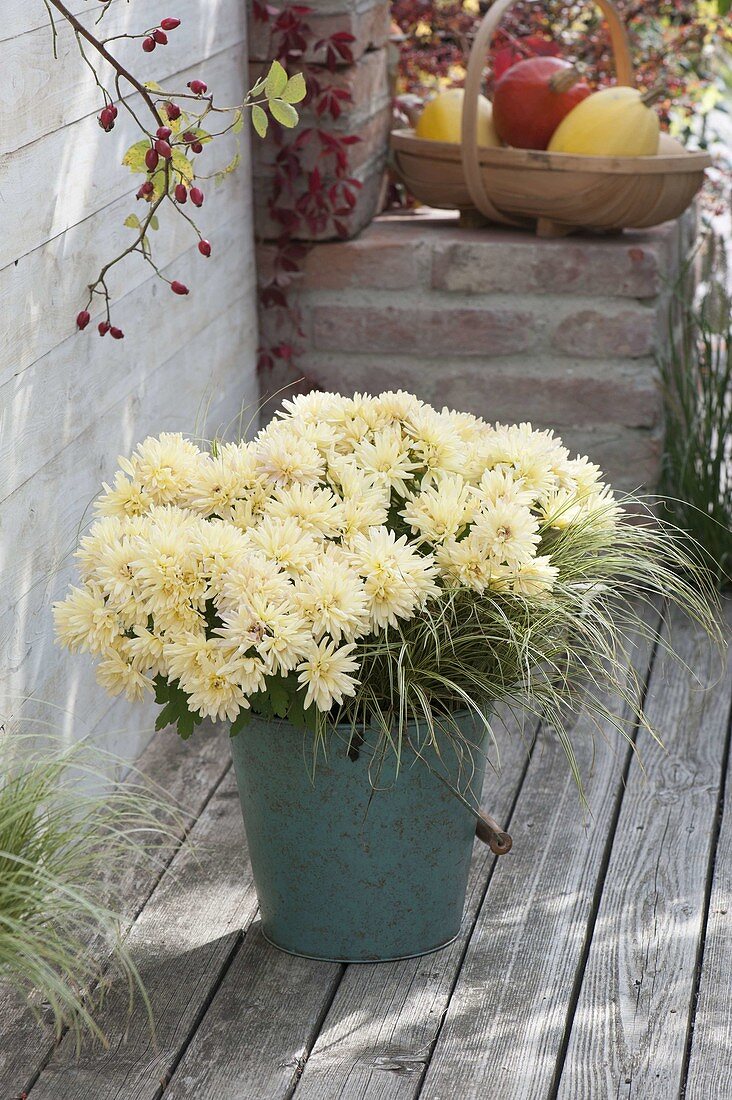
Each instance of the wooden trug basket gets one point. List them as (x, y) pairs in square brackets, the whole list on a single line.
[(557, 193)]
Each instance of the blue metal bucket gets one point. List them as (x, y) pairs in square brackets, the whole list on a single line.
[(352, 861)]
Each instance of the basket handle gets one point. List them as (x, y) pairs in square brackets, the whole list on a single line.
[(474, 80)]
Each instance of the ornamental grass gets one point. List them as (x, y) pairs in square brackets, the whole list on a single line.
[(373, 562), (67, 837)]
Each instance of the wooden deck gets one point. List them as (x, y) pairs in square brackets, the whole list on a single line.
[(595, 960)]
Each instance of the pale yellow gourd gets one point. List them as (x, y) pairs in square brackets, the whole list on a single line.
[(442, 119), (615, 122)]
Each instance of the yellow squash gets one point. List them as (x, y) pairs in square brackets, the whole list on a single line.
[(442, 117), (615, 122)]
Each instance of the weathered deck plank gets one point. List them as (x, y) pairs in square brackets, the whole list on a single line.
[(260, 1027), (181, 943), (629, 1033), (188, 773), (379, 1029), (709, 1074), (506, 1023)]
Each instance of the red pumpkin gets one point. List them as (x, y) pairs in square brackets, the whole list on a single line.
[(532, 98)]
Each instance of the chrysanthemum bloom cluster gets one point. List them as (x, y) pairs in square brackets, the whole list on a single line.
[(289, 557)]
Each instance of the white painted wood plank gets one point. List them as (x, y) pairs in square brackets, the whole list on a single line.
[(188, 772), (88, 161), (710, 1068), (39, 94), (379, 1027), (44, 291), (181, 943), (629, 1032), (53, 401), (506, 1021), (21, 16)]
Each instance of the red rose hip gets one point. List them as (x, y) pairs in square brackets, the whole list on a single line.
[(204, 247), (181, 193), (196, 196), (178, 288), (148, 45), (151, 160), (169, 24), (83, 318)]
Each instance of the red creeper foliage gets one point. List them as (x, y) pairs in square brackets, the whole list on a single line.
[(303, 201)]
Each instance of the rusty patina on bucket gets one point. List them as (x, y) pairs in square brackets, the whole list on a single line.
[(352, 861)]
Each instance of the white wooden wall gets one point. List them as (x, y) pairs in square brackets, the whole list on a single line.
[(71, 402)]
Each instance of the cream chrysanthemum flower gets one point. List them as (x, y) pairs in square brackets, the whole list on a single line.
[(387, 456), (442, 510), (333, 600), (218, 546), (316, 510), (397, 579), (327, 674), (120, 676), (509, 532), (126, 497), (467, 562), (216, 487), (276, 631), (85, 623), (164, 466), (250, 575), (503, 485), (435, 448), (535, 577), (167, 568), (284, 541), (211, 675), (286, 459), (145, 651)]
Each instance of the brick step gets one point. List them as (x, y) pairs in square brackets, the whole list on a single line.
[(563, 333)]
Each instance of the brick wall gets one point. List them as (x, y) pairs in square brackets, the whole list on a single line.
[(563, 333)]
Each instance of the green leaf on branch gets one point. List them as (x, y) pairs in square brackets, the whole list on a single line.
[(295, 89), (275, 81), (238, 123), (182, 165), (230, 167), (134, 158), (154, 223), (285, 114), (257, 88), (132, 221), (152, 86), (259, 120)]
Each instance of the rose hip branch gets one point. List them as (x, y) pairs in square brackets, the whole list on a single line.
[(178, 124)]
